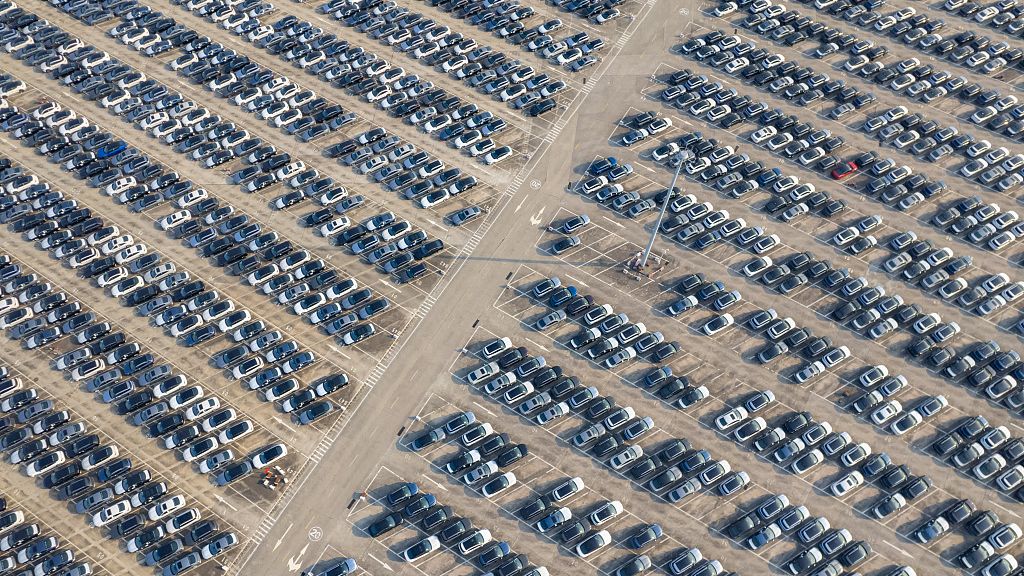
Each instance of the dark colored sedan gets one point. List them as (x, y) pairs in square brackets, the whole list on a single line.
[(385, 525)]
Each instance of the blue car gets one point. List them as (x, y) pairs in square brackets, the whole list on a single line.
[(768, 177), (562, 295), (111, 149), (419, 505), (496, 552), (603, 165)]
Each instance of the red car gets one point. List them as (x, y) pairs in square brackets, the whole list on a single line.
[(844, 171)]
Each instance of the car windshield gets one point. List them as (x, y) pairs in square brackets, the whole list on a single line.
[(591, 545)]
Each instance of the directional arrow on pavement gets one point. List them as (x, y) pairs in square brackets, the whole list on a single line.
[(535, 220), (283, 535), (293, 562)]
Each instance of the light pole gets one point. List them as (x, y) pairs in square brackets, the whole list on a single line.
[(664, 207)]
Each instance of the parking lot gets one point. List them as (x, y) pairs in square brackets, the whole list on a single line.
[(251, 503), (396, 220)]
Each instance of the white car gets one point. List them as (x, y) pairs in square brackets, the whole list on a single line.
[(847, 483), (269, 456), (625, 457), (480, 472), (474, 541), (421, 549), (200, 449), (763, 134), (45, 464), (486, 371), (174, 219), (166, 507), (886, 412), (730, 418), (593, 543), (111, 513), (717, 323), (552, 413), (99, 457), (202, 409)]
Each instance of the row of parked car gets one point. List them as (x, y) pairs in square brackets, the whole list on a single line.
[(1002, 451), (406, 96), (196, 203), (467, 466), (233, 76), (924, 138), (931, 85), (872, 310), (762, 67), (924, 81), (151, 396), (608, 186), (507, 20), (988, 453), (920, 30), (549, 386), (28, 417), (862, 243), (936, 401), (919, 262), (33, 558), (1002, 16), (171, 298), (801, 142), (994, 535), (993, 168), (823, 550), (480, 66), (247, 88), (603, 331), (239, 249), (549, 513), (800, 445), (748, 427), (98, 482), (439, 522), (877, 402), (973, 220), (303, 181), (777, 132), (791, 28)]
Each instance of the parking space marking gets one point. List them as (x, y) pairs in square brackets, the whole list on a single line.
[(449, 407), (820, 315), (81, 551), (529, 273)]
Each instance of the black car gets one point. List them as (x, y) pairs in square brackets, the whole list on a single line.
[(133, 402), (385, 525), (82, 445), (541, 107), (742, 525), (981, 523), (512, 455), (532, 508)]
